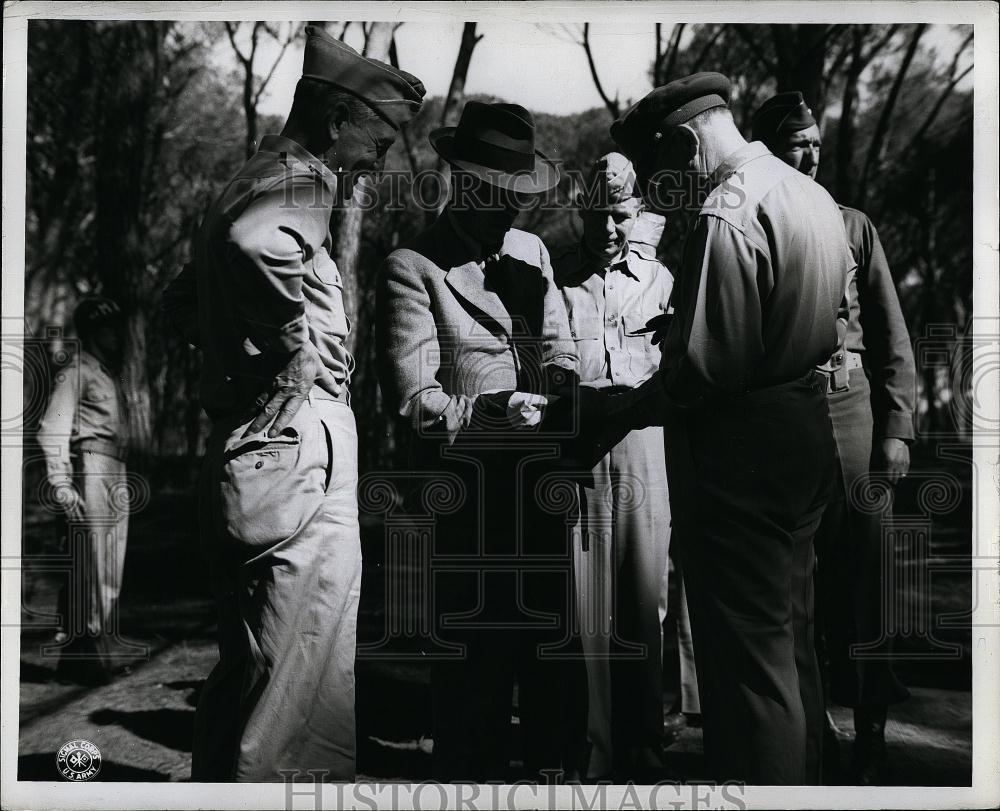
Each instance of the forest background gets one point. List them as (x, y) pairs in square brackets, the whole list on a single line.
[(133, 128)]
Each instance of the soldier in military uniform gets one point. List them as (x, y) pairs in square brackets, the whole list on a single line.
[(263, 299), (612, 289), (84, 436), (871, 380), (751, 449)]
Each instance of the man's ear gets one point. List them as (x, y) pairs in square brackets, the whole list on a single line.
[(681, 145), (340, 116)]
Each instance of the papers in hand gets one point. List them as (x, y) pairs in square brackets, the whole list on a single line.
[(526, 410)]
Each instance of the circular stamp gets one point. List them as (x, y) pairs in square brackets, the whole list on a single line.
[(78, 760)]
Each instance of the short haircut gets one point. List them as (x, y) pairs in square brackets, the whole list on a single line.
[(315, 101), (710, 116)]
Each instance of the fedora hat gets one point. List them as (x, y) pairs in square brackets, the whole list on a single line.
[(496, 143)]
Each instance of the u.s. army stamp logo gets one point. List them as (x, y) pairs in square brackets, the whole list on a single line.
[(78, 760)]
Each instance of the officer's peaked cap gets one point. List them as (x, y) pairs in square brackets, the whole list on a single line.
[(666, 107)]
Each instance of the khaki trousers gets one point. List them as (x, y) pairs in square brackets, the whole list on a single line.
[(87, 604), (280, 525), (620, 559)]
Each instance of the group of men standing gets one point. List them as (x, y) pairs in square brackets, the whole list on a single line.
[(597, 374)]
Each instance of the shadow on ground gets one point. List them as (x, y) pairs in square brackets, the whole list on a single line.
[(167, 727)]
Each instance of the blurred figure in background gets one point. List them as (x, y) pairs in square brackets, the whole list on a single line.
[(84, 435), (871, 390), (612, 288)]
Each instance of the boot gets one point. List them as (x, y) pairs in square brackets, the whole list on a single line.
[(868, 766)]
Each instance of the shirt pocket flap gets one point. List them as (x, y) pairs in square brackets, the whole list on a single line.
[(326, 269), (635, 322)]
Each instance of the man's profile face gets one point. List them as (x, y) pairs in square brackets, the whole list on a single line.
[(606, 230), (108, 338), (669, 174), (800, 149), (362, 146)]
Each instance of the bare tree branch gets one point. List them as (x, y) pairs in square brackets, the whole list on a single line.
[(943, 96), (293, 32), (880, 43), (882, 127), (708, 47), (407, 145), (231, 33), (755, 49), (611, 104), (673, 49)]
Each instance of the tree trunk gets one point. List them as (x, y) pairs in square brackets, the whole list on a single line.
[(347, 225), (250, 110), (844, 177), (882, 128), (125, 150), (453, 104), (801, 57)]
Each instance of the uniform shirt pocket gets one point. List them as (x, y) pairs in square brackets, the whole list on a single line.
[(586, 325)]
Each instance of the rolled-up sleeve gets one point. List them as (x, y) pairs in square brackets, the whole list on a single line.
[(558, 349), (716, 341), (273, 239), (56, 427), (409, 353)]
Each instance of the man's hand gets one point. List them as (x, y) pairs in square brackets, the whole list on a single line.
[(290, 388), (659, 326), (70, 500), (897, 459), (526, 410)]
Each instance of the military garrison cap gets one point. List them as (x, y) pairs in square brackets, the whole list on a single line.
[(785, 112), (394, 94), (666, 107), (94, 310), (611, 181)]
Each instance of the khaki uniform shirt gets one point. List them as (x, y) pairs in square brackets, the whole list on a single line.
[(763, 276), (607, 308), (263, 282), (876, 329), (87, 409)]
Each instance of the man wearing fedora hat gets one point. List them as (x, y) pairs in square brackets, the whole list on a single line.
[(871, 378), (263, 299), (473, 346), (757, 299)]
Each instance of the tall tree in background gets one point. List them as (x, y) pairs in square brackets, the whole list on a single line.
[(254, 85), (454, 100), (348, 221), (134, 116)]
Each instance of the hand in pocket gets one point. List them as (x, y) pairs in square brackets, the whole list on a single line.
[(270, 487)]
